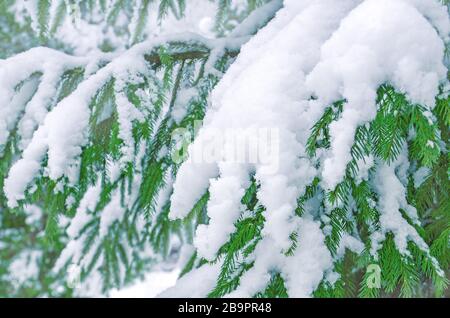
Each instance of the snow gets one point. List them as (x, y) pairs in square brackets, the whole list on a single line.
[(33, 214), (87, 204), (311, 48), (20, 68), (179, 110), (195, 284), (246, 97), (360, 44), (351, 243), (393, 198), (257, 278), (436, 14), (24, 268), (72, 251), (113, 211), (13, 71), (420, 176), (151, 286), (364, 166), (305, 270), (84, 35), (256, 19), (195, 20), (225, 195), (62, 137), (31, 7), (37, 107), (127, 113), (17, 104), (327, 49)]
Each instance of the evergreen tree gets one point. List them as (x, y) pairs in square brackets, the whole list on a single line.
[(105, 109)]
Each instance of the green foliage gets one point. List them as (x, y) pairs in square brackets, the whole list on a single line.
[(320, 134), (42, 236), (15, 37), (143, 235), (240, 245), (351, 208), (144, 224), (43, 7), (275, 289), (384, 139)]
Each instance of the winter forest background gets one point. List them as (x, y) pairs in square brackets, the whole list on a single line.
[(245, 148)]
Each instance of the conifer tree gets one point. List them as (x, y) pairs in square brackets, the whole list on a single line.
[(104, 110)]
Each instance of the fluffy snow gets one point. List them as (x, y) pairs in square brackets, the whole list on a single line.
[(305, 270), (25, 267), (413, 64), (62, 137), (13, 71), (87, 205), (18, 69), (17, 104), (126, 113), (31, 6), (311, 48), (113, 211), (420, 176), (393, 198), (153, 284), (33, 214)]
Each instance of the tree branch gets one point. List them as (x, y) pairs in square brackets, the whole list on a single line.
[(256, 20), (155, 60)]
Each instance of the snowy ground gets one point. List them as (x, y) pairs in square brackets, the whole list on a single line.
[(153, 284)]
